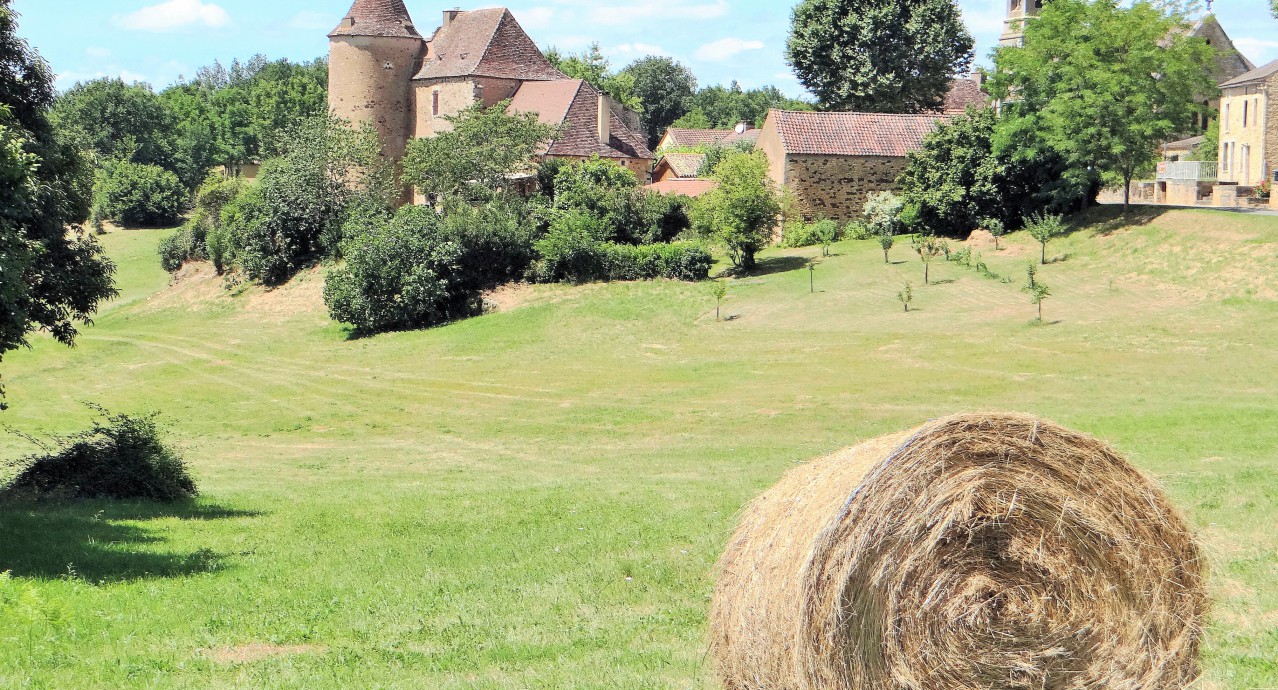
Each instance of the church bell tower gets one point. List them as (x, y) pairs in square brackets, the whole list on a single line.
[(1018, 12)]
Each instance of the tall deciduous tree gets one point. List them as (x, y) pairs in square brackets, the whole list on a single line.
[(889, 56), (743, 211), (52, 274), (1104, 84), (475, 159), (594, 67), (665, 88), (118, 121)]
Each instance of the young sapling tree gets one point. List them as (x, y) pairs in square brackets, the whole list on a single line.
[(1043, 227), (997, 229), (718, 290), (928, 248), (1038, 294), (906, 295)]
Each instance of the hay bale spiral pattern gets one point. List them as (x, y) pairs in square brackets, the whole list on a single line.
[(977, 551)]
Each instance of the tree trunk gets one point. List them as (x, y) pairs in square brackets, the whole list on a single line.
[(885, 257), (1127, 192), (1040, 311), (1044, 258), (716, 311), (927, 273)]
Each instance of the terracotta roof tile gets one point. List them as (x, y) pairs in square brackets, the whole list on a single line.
[(486, 43), (692, 188), (709, 137), (377, 18), (578, 102), (852, 134), (684, 164), (962, 93)]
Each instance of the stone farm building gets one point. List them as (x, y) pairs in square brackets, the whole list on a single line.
[(831, 162), (383, 72)]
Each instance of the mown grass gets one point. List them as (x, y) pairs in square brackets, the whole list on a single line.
[(535, 498)]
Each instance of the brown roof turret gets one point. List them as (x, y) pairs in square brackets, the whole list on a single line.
[(386, 18)]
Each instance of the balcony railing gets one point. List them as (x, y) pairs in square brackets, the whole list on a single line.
[(1192, 171)]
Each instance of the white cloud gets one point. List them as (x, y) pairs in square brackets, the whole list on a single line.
[(638, 49), (726, 48), (1258, 50), (666, 10), (174, 14), (311, 21), (535, 17)]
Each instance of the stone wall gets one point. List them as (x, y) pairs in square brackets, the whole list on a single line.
[(452, 95), (1243, 125), (368, 82), (836, 187)]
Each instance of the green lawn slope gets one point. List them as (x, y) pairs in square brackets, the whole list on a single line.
[(535, 498)]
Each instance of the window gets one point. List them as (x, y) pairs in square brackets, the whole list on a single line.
[(434, 107), (1224, 119), (1246, 104)]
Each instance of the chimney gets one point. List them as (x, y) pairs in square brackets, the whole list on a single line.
[(605, 120), (450, 15)]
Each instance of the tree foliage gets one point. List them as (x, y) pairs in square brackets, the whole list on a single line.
[(474, 161), (118, 122), (894, 56), (52, 274), (741, 213), (592, 66), (664, 89), (724, 107), (1105, 83), (961, 176), (139, 195)]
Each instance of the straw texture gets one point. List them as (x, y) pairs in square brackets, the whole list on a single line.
[(977, 551)]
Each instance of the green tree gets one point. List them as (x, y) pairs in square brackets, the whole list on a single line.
[(118, 121), (742, 212), (724, 107), (139, 195), (883, 216), (906, 295), (296, 212), (928, 248), (665, 89), (1104, 84), (52, 274), (475, 159), (1039, 292), (892, 56), (694, 119), (1043, 227), (592, 66), (963, 175), (1209, 149), (718, 290)]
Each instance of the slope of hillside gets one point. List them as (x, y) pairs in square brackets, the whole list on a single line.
[(535, 498)]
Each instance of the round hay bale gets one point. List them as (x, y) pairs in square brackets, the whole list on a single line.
[(977, 551)]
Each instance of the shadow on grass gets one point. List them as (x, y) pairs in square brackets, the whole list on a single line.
[(90, 540), (774, 264), (943, 281), (1106, 219)]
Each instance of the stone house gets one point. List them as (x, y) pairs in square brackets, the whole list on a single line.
[(383, 72), (831, 162), (1249, 127), (683, 138), (678, 166)]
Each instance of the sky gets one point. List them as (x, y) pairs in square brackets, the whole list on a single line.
[(161, 41)]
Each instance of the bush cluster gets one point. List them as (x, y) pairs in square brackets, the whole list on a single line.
[(420, 268), (611, 194), (139, 195), (577, 249), (204, 237), (121, 457), (812, 234)]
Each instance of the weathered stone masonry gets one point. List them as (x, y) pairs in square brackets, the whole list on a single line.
[(836, 187)]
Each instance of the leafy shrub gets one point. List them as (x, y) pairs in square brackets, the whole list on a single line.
[(857, 230), (812, 234), (139, 195), (883, 214), (121, 457), (497, 241), (400, 273), (203, 237), (611, 193), (576, 250)]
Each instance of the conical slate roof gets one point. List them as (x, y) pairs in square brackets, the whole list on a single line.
[(377, 18)]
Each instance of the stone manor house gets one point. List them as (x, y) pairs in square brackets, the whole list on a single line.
[(383, 72)]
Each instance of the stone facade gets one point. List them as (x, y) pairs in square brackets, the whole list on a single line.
[(368, 82), (836, 187), (1248, 131)]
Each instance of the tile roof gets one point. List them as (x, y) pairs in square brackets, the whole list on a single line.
[(574, 104), (1184, 144), (1254, 75), (680, 136), (684, 164), (692, 188), (852, 134), (377, 18), (485, 43), (962, 93)]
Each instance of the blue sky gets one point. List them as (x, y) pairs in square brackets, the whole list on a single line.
[(159, 40)]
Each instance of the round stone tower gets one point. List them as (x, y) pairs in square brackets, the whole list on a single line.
[(373, 55)]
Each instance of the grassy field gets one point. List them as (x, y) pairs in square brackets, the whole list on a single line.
[(535, 498)]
